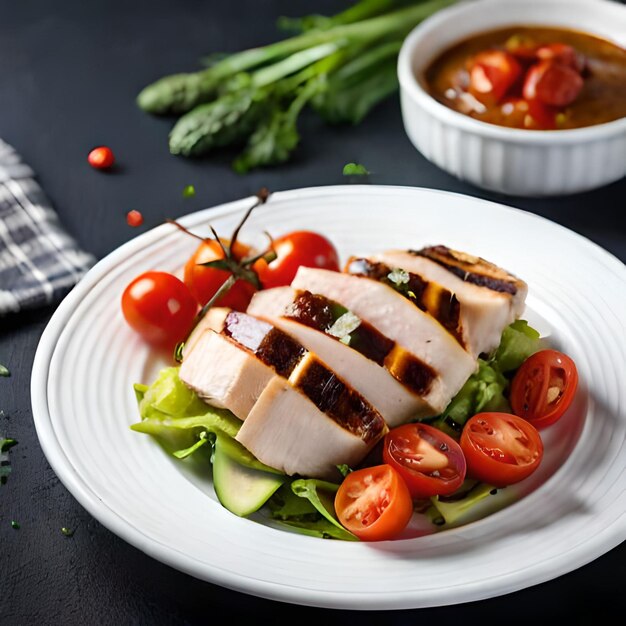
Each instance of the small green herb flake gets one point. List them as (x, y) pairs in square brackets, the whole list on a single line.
[(67, 532), (344, 469), (4, 371), (355, 169), (189, 191), (15, 525), (398, 277), (7, 444)]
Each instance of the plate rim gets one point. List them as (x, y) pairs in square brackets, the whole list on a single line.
[(80, 490)]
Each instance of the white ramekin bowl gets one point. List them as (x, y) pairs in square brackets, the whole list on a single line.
[(512, 161)]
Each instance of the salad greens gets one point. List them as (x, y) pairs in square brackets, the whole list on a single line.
[(485, 389), (186, 426), (342, 66)]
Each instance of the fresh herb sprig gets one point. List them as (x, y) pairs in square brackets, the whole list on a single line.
[(342, 66)]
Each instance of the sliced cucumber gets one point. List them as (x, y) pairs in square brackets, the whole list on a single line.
[(242, 490)]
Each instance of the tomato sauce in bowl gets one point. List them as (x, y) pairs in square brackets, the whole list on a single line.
[(532, 78)]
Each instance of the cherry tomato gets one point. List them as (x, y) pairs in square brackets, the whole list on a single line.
[(543, 387), (430, 461), (293, 250), (101, 158), (540, 116), (134, 218), (374, 503), (552, 84), (159, 307), (492, 74), (500, 449), (561, 54), (203, 282)]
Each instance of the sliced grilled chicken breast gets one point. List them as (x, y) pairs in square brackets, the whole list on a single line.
[(231, 369), (311, 423), (308, 319), (213, 320), (490, 297), (440, 365), (224, 374)]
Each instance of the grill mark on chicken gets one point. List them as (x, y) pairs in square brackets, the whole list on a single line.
[(470, 269), (414, 374), (320, 313), (324, 388), (270, 345), (429, 297), (340, 402)]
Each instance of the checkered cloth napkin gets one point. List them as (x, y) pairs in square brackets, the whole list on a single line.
[(39, 261)]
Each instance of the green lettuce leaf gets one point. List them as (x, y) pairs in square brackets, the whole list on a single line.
[(319, 528), (168, 396), (485, 390), (519, 341), (307, 506)]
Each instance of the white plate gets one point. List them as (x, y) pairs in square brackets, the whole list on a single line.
[(572, 513)]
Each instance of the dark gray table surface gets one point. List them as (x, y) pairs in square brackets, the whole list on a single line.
[(69, 73)]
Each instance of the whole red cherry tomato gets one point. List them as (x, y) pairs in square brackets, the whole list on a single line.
[(299, 248), (562, 54), (203, 282), (159, 307), (101, 158), (552, 84), (543, 387)]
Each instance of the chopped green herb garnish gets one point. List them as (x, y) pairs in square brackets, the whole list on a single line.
[(344, 469), (399, 277), (189, 191), (4, 371), (5, 465), (67, 532), (7, 444), (15, 525), (355, 169), (344, 325)]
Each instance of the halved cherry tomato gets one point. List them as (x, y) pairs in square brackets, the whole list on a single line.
[(299, 248), (430, 461), (543, 387), (374, 503), (562, 54), (159, 307), (492, 74), (500, 449), (203, 282), (552, 84)]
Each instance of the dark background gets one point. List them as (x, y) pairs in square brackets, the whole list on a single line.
[(69, 73)]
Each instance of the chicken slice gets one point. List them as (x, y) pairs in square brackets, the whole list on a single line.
[(490, 297), (396, 402), (213, 320), (224, 374), (440, 363), (311, 423)]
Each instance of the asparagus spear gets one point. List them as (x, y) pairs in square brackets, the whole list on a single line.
[(181, 92)]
